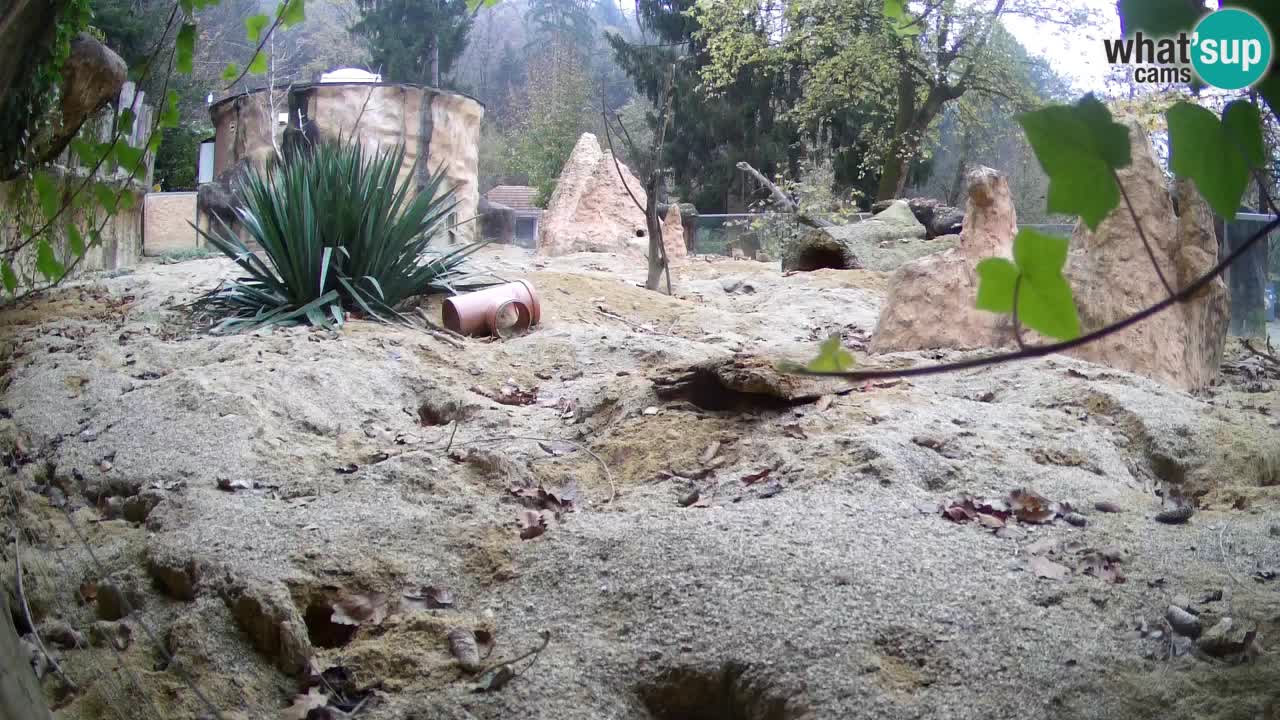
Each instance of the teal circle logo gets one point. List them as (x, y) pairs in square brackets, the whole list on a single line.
[(1231, 49)]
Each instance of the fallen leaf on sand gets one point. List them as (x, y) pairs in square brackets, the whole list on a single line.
[(429, 598), (1106, 506), (1030, 507), (1045, 568), (756, 476), (360, 609), (347, 469), (709, 454), (497, 680), (824, 402), (531, 523), (233, 485), (794, 431), (990, 521), (304, 704), (1097, 565)]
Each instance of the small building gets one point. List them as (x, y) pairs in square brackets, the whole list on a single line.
[(519, 198)]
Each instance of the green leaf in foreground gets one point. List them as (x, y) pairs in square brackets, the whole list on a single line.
[(996, 279), (254, 25), (231, 72), (293, 12), (1216, 155), (126, 121), (10, 278), (47, 263), (259, 64), (170, 117), (107, 198), (1044, 297), (1157, 18), (1079, 146), (47, 193), (74, 240), (185, 49), (831, 357)]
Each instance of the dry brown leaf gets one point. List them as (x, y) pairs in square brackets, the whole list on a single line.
[(990, 521), (1030, 507), (304, 704), (429, 598), (531, 524), (1044, 568), (89, 590), (756, 477), (709, 454), (227, 485), (794, 431), (360, 609)]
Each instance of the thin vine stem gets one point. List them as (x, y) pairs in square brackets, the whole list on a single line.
[(1137, 222), (1043, 350)]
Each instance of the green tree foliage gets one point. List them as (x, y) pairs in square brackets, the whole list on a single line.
[(742, 122), (558, 109), (177, 158), (414, 41)]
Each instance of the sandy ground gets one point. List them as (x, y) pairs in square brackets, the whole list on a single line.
[(276, 504)]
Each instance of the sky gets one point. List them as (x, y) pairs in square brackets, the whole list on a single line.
[(1075, 53)]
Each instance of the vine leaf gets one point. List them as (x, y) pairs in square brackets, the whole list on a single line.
[(831, 357), (47, 192), (254, 25), (170, 117), (1079, 146), (9, 277), (106, 198), (1045, 303), (231, 72), (475, 5), (259, 64), (74, 240), (125, 121), (47, 263), (129, 157), (293, 12), (186, 49), (1216, 155), (1044, 298)]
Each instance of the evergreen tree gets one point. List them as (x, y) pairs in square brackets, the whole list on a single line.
[(414, 41)]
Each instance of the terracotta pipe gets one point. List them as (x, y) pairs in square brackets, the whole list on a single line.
[(478, 313)]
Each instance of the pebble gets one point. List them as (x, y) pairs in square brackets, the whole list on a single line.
[(111, 602), (1183, 622), (1076, 519)]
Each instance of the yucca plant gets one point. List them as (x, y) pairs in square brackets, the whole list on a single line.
[(339, 233)]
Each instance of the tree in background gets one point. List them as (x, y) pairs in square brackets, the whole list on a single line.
[(894, 73), (710, 133), (558, 108), (414, 41)]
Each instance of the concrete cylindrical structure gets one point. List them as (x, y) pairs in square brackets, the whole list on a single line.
[(436, 128)]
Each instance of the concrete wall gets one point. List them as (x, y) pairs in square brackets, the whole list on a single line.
[(121, 244), (166, 223), (437, 128)]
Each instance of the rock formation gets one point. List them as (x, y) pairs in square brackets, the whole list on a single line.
[(673, 234), (1112, 278), (930, 302), (937, 218), (592, 211), (838, 246)]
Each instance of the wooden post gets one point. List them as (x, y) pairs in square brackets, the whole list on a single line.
[(20, 695)]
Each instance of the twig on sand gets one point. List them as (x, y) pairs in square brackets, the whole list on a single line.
[(26, 611), (1266, 356), (546, 640), (613, 489), (442, 333)]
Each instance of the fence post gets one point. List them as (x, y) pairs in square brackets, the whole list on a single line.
[(20, 695)]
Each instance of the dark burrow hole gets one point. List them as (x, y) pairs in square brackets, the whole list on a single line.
[(730, 692), (639, 233), (433, 411), (817, 258), (322, 630), (707, 392)]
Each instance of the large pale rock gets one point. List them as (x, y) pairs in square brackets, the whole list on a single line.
[(591, 209), (930, 302), (1112, 278), (673, 234), (937, 217), (841, 246)]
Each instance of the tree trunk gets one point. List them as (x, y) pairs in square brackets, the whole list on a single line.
[(893, 171), (20, 695), (957, 182)]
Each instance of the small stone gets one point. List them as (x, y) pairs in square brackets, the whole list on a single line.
[(1112, 553), (111, 602), (1076, 519), (1183, 622), (1275, 530), (651, 410)]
